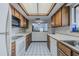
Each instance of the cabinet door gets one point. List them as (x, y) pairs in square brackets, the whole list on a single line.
[(24, 22), (53, 21), (64, 48), (13, 11), (65, 16), (21, 21), (17, 14), (58, 18), (13, 48)]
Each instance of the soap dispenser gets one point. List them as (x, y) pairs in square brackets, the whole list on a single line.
[(74, 29)]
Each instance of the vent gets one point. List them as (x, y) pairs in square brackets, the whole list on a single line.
[(37, 19)]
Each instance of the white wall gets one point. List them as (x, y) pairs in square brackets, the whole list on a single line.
[(39, 36), (29, 29)]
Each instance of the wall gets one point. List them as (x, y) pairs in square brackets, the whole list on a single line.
[(39, 36), (29, 29)]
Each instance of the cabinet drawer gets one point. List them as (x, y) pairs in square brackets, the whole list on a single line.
[(75, 54), (13, 49), (64, 48), (60, 53)]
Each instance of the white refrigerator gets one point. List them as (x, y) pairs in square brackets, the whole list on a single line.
[(5, 29)]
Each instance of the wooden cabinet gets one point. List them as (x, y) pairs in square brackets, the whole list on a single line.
[(24, 22), (65, 16), (13, 49), (22, 19), (61, 17), (28, 40), (13, 10), (53, 21), (56, 19), (64, 49), (17, 14)]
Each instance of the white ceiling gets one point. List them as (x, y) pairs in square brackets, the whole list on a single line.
[(37, 8), (42, 18)]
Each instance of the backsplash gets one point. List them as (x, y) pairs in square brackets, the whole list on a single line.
[(66, 30), (63, 29)]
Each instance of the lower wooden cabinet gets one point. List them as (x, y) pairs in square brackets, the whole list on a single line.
[(64, 50), (28, 40), (13, 49)]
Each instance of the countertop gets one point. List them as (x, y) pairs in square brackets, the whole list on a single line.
[(19, 33), (61, 38), (19, 36)]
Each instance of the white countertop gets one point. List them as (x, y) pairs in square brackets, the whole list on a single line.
[(23, 35), (63, 38)]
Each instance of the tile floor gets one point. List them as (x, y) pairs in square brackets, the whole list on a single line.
[(38, 49)]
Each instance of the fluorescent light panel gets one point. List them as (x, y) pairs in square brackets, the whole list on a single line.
[(38, 8)]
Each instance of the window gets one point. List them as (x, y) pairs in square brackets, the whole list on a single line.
[(77, 15), (39, 27)]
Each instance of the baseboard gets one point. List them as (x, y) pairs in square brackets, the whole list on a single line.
[(39, 41)]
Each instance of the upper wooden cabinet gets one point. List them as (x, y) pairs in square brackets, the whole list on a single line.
[(53, 21), (22, 19), (56, 19), (61, 17), (17, 14), (65, 16), (13, 10)]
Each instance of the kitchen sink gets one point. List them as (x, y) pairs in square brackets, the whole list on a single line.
[(73, 43)]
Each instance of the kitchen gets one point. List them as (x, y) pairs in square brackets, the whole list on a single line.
[(39, 29)]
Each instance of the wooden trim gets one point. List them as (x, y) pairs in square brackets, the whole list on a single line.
[(51, 9), (22, 7), (76, 6), (68, 16), (61, 16)]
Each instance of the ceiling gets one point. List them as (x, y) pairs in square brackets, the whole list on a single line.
[(37, 9), (44, 17)]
